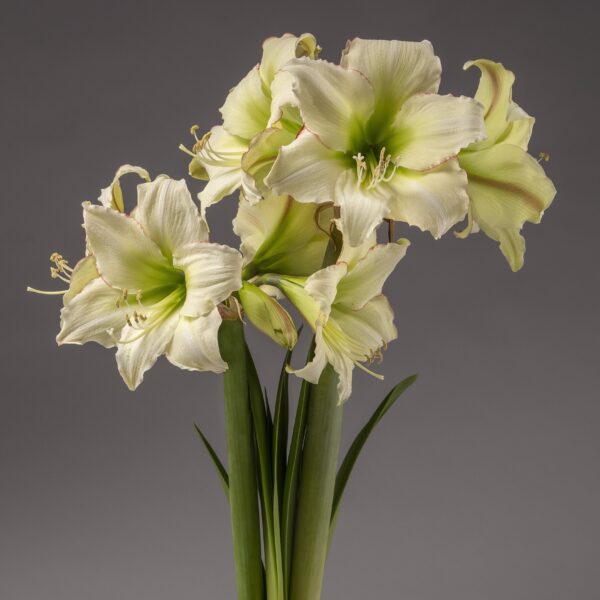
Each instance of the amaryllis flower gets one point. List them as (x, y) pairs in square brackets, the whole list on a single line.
[(353, 322), (507, 186), (378, 140), (254, 125), (152, 283)]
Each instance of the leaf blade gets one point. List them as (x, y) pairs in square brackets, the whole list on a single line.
[(360, 440), (221, 470)]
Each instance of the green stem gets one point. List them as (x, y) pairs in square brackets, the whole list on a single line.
[(316, 489), (243, 493)]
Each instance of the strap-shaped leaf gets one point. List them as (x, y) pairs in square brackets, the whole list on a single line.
[(263, 441), (292, 473), (351, 457), (221, 470), (280, 433)]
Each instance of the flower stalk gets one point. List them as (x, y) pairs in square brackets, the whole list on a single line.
[(243, 492), (316, 489)]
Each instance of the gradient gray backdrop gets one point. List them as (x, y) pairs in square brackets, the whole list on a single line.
[(481, 484)]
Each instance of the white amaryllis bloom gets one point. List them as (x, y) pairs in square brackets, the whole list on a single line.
[(280, 235), (152, 283), (507, 186), (378, 140), (240, 152), (344, 305)]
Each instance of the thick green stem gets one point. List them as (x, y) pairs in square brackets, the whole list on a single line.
[(317, 484), (243, 493)]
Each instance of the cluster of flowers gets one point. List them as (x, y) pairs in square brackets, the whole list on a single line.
[(322, 154)]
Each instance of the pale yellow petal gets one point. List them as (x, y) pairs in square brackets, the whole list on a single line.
[(138, 350), (195, 344), (507, 188), (212, 273), (361, 209), (397, 70), (247, 108), (168, 215), (125, 256), (307, 170), (433, 200), (334, 102), (430, 129)]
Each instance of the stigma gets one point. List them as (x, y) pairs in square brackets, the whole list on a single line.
[(374, 169)]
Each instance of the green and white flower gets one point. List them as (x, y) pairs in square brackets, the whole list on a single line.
[(344, 306), (152, 283), (507, 187), (280, 235), (255, 124), (377, 139)]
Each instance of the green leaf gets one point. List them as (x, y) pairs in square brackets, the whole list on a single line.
[(354, 451), (280, 427), (292, 472), (263, 439), (280, 437), (221, 470)]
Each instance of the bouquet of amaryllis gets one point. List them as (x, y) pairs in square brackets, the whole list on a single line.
[(326, 159)]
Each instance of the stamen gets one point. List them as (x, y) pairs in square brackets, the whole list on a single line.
[(362, 367), (379, 173), (47, 292), (361, 168), (543, 156), (138, 299)]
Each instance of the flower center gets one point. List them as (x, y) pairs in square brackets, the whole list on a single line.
[(373, 167), (145, 311)]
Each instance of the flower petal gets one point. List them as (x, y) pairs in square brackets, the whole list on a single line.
[(254, 222), (433, 200), (125, 257), (212, 273), (112, 196), (366, 279), (85, 270), (195, 344), (520, 127), (280, 235), (430, 129), (91, 314), (507, 188), (361, 209), (138, 350), (168, 215), (355, 336), (334, 102), (306, 170), (279, 50), (221, 156), (322, 287), (259, 158), (396, 70), (313, 369), (505, 121), (247, 109)]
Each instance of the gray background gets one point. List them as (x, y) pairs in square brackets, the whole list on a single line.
[(483, 481)]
